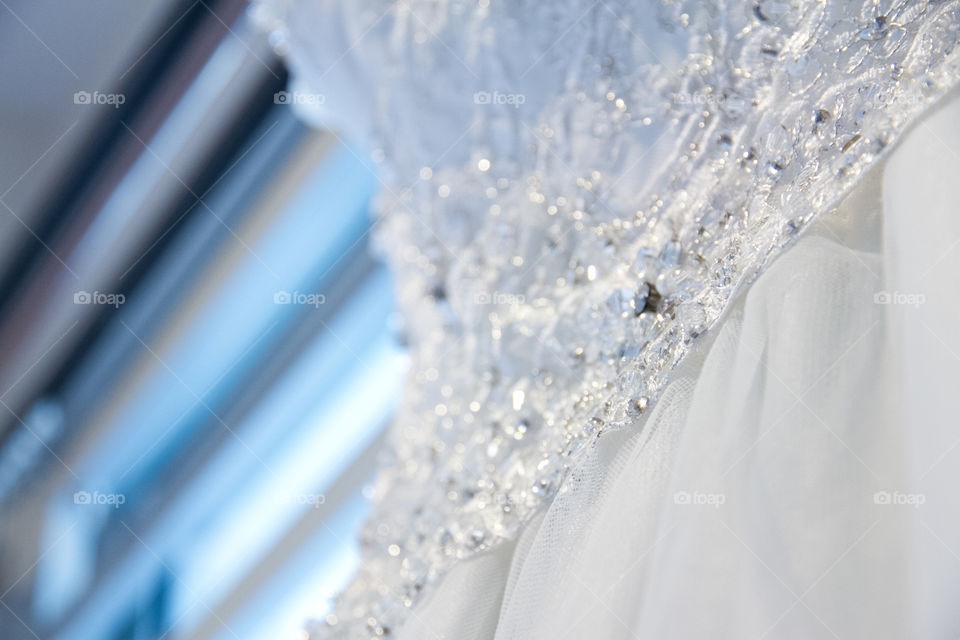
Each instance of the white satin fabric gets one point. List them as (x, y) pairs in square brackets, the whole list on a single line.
[(799, 477)]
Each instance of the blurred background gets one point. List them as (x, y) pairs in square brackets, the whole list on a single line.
[(196, 365)]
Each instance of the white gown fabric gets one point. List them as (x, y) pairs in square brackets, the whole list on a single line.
[(798, 477), (679, 284)]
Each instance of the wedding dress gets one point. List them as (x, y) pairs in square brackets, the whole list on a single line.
[(678, 280)]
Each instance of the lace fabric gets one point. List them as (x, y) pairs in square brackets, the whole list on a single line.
[(573, 194)]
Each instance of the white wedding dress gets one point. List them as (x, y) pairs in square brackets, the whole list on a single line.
[(679, 281), (809, 400)]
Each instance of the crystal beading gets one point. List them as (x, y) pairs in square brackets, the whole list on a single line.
[(568, 206)]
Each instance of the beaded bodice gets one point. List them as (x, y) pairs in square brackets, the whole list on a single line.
[(573, 193)]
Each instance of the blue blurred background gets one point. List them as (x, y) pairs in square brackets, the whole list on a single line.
[(196, 355)]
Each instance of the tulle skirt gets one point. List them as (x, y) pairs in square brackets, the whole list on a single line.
[(798, 478)]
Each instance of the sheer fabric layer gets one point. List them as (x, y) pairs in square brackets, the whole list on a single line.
[(573, 194), (797, 478)]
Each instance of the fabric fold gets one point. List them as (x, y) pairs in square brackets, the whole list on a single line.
[(795, 479)]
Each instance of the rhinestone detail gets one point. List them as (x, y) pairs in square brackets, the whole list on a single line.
[(565, 218)]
